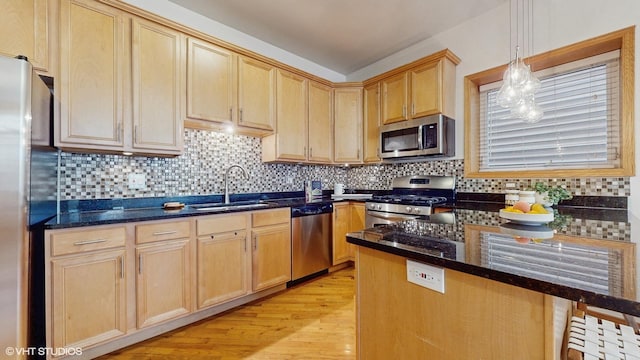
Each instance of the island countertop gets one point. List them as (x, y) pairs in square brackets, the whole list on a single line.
[(585, 255)]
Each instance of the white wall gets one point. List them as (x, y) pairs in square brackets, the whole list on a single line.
[(483, 43), (171, 11)]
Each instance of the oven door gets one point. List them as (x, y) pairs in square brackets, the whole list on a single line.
[(375, 218)]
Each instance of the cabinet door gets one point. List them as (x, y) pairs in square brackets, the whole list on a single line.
[(371, 123), (163, 283), (93, 63), (88, 298), (211, 82), (347, 129), (394, 98), (25, 28), (271, 256), (341, 224), (217, 254), (157, 66), (320, 123), (291, 116), (425, 90), (357, 221), (256, 94)]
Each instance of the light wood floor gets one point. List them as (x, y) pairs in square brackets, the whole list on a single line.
[(315, 320)]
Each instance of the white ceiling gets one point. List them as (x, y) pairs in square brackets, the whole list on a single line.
[(341, 35)]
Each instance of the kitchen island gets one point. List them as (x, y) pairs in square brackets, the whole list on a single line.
[(507, 287)]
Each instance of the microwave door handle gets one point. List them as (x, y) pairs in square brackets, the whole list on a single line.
[(420, 136), (395, 217)]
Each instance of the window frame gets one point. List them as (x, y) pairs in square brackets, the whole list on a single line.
[(622, 40)]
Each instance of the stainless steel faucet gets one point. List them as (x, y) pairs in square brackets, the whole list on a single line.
[(226, 182)]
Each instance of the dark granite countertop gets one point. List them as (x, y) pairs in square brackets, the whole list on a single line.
[(113, 211), (584, 254)]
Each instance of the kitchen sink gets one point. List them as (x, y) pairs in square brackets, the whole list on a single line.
[(253, 204)]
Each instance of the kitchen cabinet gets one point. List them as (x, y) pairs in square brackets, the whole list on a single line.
[(289, 143), (163, 283), (347, 217), (115, 96), (223, 262), (371, 123), (422, 88), (28, 27), (271, 244), (86, 280), (347, 125), (256, 94), (211, 92), (320, 128)]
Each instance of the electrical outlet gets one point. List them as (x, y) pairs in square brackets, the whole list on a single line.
[(425, 275), (137, 181), (510, 185)]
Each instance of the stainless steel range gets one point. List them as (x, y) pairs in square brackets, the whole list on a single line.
[(412, 197)]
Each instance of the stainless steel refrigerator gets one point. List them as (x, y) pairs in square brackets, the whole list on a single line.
[(27, 190)]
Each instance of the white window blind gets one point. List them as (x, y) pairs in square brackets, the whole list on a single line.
[(580, 127)]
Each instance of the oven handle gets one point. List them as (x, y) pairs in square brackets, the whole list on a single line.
[(394, 217)]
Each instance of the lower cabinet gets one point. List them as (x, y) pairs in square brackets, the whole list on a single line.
[(163, 284), (87, 287), (271, 244), (223, 265), (106, 283), (347, 217)]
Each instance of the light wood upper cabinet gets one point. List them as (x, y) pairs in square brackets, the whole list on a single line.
[(320, 134), (211, 83), (289, 143), (26, 27), (394, 98), (256, 94), (93, 73), (419, 89), (120, 82), (347, 125), (157, 65), (371, 123)]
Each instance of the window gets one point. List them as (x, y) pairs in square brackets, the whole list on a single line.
[(587, 129)]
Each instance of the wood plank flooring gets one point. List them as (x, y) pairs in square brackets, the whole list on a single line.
[(315, 320)]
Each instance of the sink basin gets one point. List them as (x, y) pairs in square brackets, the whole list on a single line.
[(253, 204)]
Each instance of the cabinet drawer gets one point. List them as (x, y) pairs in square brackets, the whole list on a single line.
[(221, 223), (271, 217), (162, 231), (69, 242)]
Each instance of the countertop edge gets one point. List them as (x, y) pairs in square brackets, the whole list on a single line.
[(624, 306)]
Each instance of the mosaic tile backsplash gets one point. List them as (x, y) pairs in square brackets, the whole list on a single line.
[(200, 171)]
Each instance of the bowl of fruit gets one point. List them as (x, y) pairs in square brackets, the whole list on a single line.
[(524, 213)]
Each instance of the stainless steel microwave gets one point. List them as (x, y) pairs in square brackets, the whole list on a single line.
[(427, 136)]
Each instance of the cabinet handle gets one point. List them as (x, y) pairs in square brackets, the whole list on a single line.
[(310, 152), (164, 232), (118, 131), (213, 236), (255, 242), (121, 267), (413, 109), (135, 134), (87, 242), (231, 114), (140, 264), (240, 120), (404, 110), (358, 157)]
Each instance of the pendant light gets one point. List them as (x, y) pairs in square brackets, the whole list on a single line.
[(519, 84)]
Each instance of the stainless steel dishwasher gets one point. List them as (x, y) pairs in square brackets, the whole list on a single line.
[(311, 233)]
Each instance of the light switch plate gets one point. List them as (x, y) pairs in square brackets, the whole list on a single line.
[(428, 276), (137, 181)]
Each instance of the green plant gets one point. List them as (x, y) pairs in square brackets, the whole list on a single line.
[(554, 194)]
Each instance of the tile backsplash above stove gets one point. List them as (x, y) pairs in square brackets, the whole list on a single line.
[(200, 171)]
